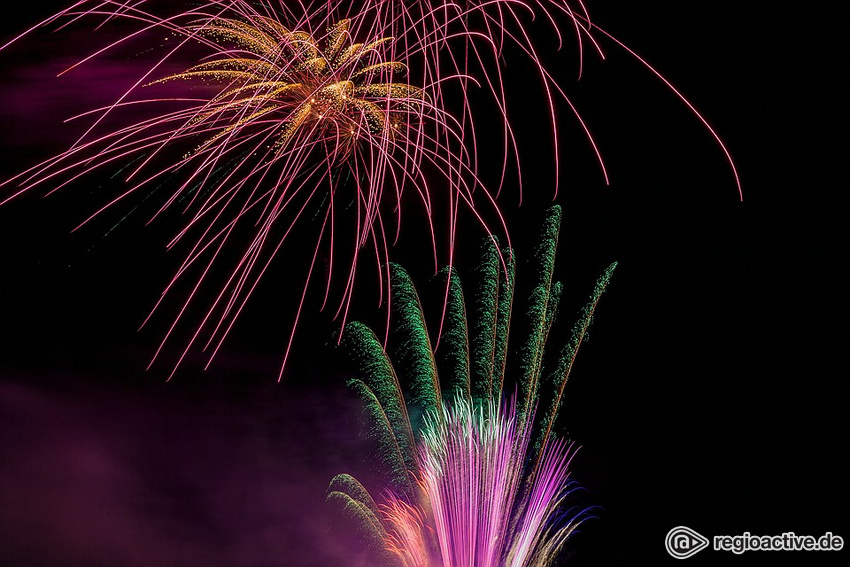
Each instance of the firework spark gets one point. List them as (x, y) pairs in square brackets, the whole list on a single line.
[(472, 476), (291, 121)]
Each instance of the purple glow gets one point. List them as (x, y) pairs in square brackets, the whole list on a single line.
[(151, 476)]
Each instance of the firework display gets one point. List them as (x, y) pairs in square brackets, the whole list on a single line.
[(333, 112), (280, 282), (474, 471)]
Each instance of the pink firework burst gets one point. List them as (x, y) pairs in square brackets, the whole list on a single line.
[(291, 117), (479, 507), (329, 109)]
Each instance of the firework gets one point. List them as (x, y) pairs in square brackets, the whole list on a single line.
[(473, 474), (331, 110), (287, 121), (472, 460)]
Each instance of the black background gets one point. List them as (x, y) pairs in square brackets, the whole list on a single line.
[(709, 395)]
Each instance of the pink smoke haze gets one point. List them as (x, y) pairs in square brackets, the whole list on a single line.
[(95, 477)]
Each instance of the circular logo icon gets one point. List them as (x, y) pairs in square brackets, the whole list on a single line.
[(683, 542)]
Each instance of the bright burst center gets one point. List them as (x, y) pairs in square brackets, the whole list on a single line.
[(307, 92)]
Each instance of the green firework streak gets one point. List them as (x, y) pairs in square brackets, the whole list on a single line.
[(412, 348), (483, 325), (452, 354)]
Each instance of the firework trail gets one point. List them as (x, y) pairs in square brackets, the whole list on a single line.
[(472, 474), (472, 39), (292, 120)]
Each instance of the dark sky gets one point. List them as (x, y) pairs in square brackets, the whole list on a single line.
[(708, 396)]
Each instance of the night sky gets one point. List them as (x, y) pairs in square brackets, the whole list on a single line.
[(708, 395)]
